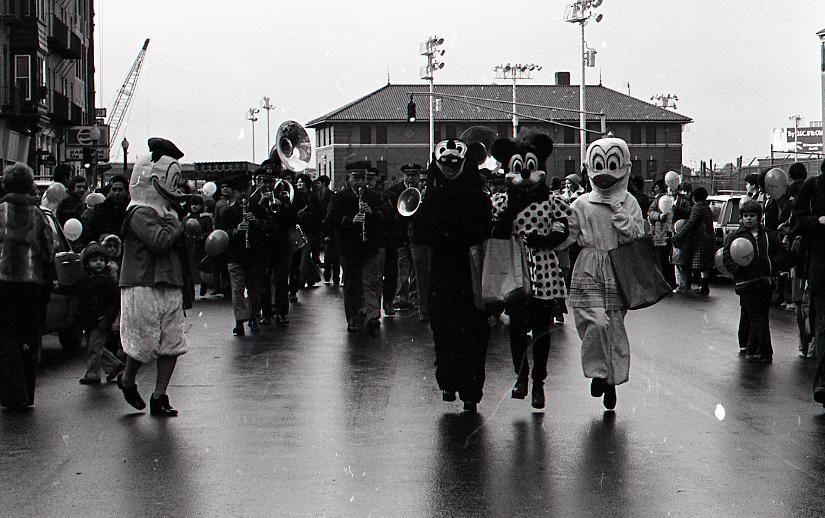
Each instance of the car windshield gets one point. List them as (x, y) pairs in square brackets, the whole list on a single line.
[(734, 210), (716, 207)]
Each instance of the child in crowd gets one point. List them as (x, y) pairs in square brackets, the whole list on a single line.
[(753, 281), (99, 307), (114, 248)]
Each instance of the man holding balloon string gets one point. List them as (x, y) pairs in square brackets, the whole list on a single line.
[(750, 254)]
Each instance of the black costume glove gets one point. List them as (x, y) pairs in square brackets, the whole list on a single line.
[(534, 240)]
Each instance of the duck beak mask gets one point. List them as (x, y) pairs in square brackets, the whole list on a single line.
[(608, 164), (155, 185)]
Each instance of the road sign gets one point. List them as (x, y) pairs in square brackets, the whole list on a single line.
[(100, 113), (75, 154)]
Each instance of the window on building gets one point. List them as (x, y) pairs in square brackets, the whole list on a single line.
[(366, 134), (331, 135), (450, 131), (595, 131), (380, 134), (651, 168), (650, 134), (381, 165), (437, 134), (569, 135), (635, 135), (504, 130), (569, 167), (636, 166), (23, 75)]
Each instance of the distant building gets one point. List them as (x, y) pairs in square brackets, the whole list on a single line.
[(375, 126), (46, 78)]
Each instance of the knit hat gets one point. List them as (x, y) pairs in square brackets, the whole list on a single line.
[(112, 240), (93, 249), (574, 178)]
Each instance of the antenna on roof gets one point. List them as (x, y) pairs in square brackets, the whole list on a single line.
[(388, 74), (600, 76), (628, 88)]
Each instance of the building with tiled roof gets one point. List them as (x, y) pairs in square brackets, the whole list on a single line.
[(375, 127)]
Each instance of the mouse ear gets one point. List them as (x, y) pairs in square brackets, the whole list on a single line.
[(502, 150), (543, 145)]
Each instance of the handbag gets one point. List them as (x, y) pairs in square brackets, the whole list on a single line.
[(505, 276), (297, 238), (638, 274)]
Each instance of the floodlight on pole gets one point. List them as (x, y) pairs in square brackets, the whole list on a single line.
[(580, 12), (266, 105), (430, 49), (514, 72), (250, 116)]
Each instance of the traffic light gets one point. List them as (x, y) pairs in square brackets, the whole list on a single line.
[(411, 110), (87, 157)]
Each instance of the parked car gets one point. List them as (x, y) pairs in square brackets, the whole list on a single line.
[(725, 209), (62, 310)]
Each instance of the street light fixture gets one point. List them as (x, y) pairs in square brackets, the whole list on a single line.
[(580, 12), (265, 104), (125, 145), (665, 101), (514, 72), (430, 49), (250, 116)]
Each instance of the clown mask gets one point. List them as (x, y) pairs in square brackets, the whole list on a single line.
[(608, 164)]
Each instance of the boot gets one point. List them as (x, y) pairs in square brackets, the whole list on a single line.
[(538, 395), (519, 389), (159, 406), (597, 387), (609, 397)]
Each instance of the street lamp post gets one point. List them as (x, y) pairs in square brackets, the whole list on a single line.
[(265, 104), (250, 116), (580, 12), (430, 49), (514, 72), (125, 145)]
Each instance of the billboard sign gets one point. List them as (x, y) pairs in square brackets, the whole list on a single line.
[(808, 139), (79, 137)]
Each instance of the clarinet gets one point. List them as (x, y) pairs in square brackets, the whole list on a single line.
[(247, 245), (363, 223)]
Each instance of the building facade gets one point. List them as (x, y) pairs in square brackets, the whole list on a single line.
[(46, 78), (375, 127)]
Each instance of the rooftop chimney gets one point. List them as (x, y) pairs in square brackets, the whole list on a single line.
[(562, 78)]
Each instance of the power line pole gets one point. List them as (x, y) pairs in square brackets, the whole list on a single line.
[(250, 116), (517, 71), (268, 107), (430, 49)]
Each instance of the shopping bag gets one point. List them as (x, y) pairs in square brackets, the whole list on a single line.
[(638, 274), (308, 273), (297, 238), (505, 277)]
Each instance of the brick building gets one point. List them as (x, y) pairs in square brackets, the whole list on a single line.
[(375, 126), (46, 78)]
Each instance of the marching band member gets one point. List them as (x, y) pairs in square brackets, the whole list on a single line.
[(356, 214), (405, 287), (389, 257)]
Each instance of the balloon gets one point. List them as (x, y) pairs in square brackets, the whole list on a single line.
[(94, 199), (56, 192), (741, 251), (216, 243), (665, 204), (718, 259), (776, 182), (672, 180), (679, 225), (192, 226), (73, 229), (209, 188)]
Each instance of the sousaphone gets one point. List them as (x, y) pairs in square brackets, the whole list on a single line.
[(292, 146)]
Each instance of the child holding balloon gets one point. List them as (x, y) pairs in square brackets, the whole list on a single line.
[(749, 254)]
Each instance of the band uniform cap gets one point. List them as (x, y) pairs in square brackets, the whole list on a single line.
[(274, 166), (358, 169), (164, 147), (411, 168), (373, 171), (265, 172)]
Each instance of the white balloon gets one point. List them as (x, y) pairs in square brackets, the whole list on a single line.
[(672, 180), (73, 228), (209, 188), (665, 204)]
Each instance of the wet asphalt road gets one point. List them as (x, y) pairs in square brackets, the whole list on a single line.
[(312, 421)]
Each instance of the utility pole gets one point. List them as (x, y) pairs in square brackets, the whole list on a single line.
[(514, 72), (430, 49), (250, 116), (268, 107)]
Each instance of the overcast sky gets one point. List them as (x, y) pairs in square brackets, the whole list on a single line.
[(740, 68)]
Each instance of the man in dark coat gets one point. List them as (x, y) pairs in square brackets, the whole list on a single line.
[(808, 221), (107, 218), (405, 284), (72, 205), (355, 214)]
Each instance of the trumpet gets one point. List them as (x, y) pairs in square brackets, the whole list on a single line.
[(364, 222)]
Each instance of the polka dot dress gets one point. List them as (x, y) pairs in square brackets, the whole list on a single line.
[(545, 273)]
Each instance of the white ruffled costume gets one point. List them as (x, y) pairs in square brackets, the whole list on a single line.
[(603, 219)]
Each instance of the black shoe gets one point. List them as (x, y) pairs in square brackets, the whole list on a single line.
[(202, 290), (254, 326), (597, 387), (281, 320), (90, 381), (471, 407), (238, 329), (112, 375), (819, 395), (159, 406), (265, 321), (352, 327), (519, 389), (537, 400), (743, 351), (609, 397), (447, 395), (131, 394), (372, 327)]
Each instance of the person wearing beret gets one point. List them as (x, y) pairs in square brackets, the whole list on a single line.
[(247, 224), (405, 292), (355, 214)]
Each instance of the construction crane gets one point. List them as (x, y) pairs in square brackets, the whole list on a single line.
[(124, 96)]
